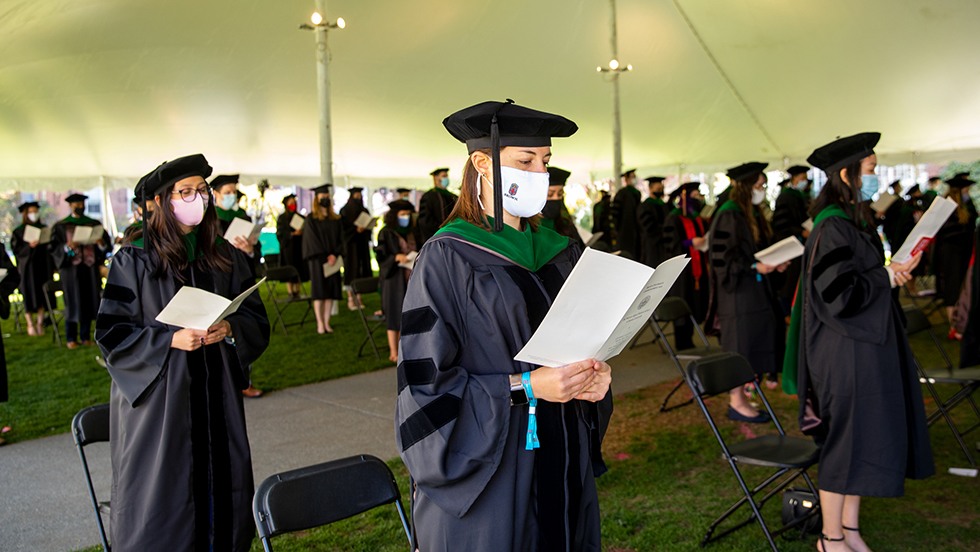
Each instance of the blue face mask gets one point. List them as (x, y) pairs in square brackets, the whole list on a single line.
[(404, 220), (444, 182), (869, 186), (228, 202)]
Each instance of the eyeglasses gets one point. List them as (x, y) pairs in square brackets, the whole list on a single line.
[(190, 194)]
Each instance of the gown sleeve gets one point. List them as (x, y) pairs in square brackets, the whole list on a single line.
[(8, 284), (451, 424), (135, 355), (851, 286), (729, 258)]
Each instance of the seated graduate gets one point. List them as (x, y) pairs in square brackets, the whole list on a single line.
[(33, 266), (555, 214), (503, 454), (181, 466), (399, 237), (323, 243), (848, 354)]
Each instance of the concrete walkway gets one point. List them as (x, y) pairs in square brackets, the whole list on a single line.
[(45, 505)]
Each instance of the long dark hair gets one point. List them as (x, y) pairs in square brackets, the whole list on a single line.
[(840, 193), (742, 196), (166, 240), (468, 206)]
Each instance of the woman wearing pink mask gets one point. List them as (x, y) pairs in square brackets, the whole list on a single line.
[(181, 466)]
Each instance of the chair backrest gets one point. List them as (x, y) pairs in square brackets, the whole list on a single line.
[(52, 286), (671, 309), (365, 285), (718, 373), (322, 494), (915, 320), (91, 425), (271, 260), (283, 273)]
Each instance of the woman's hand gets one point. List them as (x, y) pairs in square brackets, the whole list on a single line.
[(242, 245), (597, 390), (33, 244), (564, 383), (763, 268), (188, 339), (782, 267), (903, 271), (401, 258), (698, 242), (218, 332)]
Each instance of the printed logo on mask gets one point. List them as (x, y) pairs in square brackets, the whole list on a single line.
[(512, 192)]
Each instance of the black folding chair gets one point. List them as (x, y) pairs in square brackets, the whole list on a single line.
[(275, 275), (790, 456), (318, 495), (91, 425), (968, 380), (56, 315), (371, 322), (670, 311)]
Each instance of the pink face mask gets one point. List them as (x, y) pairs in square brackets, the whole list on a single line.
[(189, 213)]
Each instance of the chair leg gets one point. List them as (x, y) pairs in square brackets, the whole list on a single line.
[(665, 408)]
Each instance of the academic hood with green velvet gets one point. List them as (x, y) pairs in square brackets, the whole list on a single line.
[(530, 249)]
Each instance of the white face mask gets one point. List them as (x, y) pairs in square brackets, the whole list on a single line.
[(32, 217), (758, 196), (525, 193)]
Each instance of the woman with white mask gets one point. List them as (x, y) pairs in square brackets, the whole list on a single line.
[(503, 455), (34, 265), (743, 306)]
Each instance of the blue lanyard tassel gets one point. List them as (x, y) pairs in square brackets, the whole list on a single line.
[(532, 419)]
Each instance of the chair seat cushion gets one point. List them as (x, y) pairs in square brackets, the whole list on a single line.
[(776, 451), (696, 352)]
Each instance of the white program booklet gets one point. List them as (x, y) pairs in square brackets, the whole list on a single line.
[(365, 220), (3, 274), (808, 225), (197, 309), (87, 235), (34, 234), (331, 269), (240, 227), (926, 229), (592, 319), (780, 252), (296, 222), (410, 263), (883, 202)]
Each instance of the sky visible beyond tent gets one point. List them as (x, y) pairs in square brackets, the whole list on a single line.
[(113, 87)]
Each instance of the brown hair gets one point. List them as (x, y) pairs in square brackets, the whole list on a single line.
[(468, 206), (962, 213), (323, 213), (166, 240), (742, 195)]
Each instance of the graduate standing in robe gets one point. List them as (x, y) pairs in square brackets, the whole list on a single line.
[(181, 466), (953, 245), (357, 244), (555, 215), (622, 212), (323, 243), (742, 297), (787, 220), (600, 221), (33, 267), (291, 244), (684, 234), (490, 472), (398, 238), (849, 352), (651, 215), (436, 204), (79, 266)]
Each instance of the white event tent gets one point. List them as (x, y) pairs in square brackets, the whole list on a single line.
[(101, 91)]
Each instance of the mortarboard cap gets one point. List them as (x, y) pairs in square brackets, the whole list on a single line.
[(403, 190), (746, 170), (557, 177), (495, 125), (440, 169), (286, 199), (685, 188), (797, 169), (76, 197), (401, 205), (355, 189), (844, 151), (654, 179), (171, 171), (223, 179), (27, 205), (323, 189), (960, 181), (627, 173)]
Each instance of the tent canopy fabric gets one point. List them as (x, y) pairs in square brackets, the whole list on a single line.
[(111, 88)]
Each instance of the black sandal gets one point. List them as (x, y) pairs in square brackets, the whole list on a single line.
[(825, 538), (846, 528)]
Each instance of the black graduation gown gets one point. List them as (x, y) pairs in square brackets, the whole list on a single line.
[(651, 215), (742, 299), (857, 369), (394, 279), (601, 223), (787, 220), (7, 286), (467, 312), (224, 220), (951, 255), (322, 238), (290, 246), (177, 424), (895, 224), (34, 266), (970, 346), (690, 287), (357, 245), (625, 226), (434, 207), (78, 268)]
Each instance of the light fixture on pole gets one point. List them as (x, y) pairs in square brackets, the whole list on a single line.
[(321, 26), (615, 68)]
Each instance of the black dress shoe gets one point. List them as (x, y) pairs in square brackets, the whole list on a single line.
[(760, 418)]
